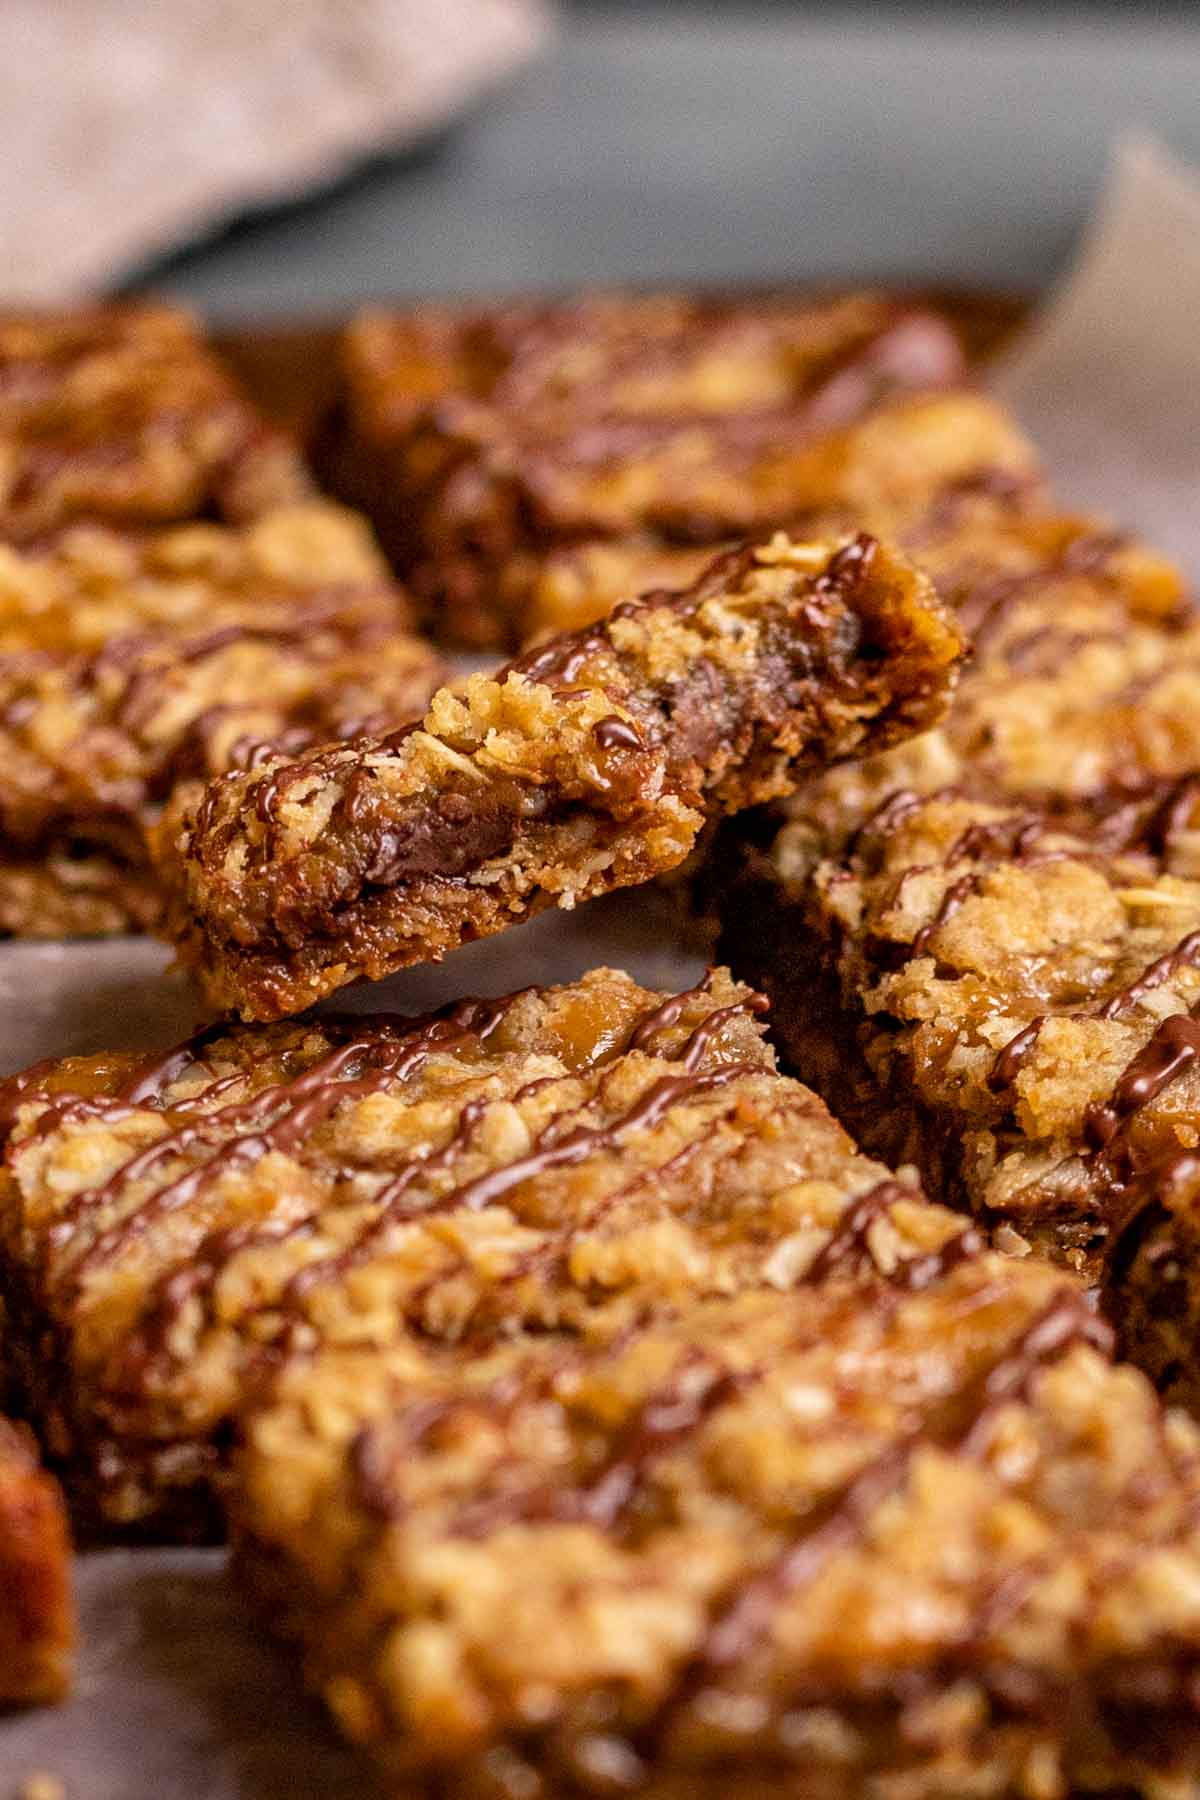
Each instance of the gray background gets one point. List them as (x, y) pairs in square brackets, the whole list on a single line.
[(743, 142)]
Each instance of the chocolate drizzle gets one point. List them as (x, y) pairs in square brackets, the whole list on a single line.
[(672, 1009), (1185, 954), (284, 1114), (1173, 1048), (585, 1140), (1011, 1058), (612, 733), (954, 898), (662, 1018), (376, 1053), (849, 1237), (747, 1615), (665, 1421), (151, 1082)]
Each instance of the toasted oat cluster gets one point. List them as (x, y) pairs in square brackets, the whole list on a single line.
[(492, 447), (1009, 1004), (122, 414), (132, 662), (37, 1622), (865, 1537), (561, 1160), (588, 765)]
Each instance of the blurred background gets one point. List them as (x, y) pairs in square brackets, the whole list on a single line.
[(750, 140)]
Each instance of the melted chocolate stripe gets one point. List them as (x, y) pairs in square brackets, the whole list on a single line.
[(1186, 953), (580, 1143), (849, 1237), (387, 1201), (922, 1272), (955, 897), (693, 1051), (1013, 1055), (664, 1421), (391, 1214), (672, 1009), (1011, 1058), (1172, 1049)]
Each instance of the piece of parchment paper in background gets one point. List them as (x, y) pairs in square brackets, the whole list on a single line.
[(1107, 379), (129, 128), (179, 1697)]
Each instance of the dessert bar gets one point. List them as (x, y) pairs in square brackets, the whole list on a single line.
[(132, 662), (122, 414), (1009, 1004), (37, 1621), (484, 443), (560, 1160), (898, 1535), (587, 765)]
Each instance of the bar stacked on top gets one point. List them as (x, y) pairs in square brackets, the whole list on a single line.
[(590, 764)]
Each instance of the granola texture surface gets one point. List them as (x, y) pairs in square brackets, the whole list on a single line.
[(559, 1160), (587, 765), (133, 662), (122, 414), (1009, 1004), (970, 939), (879, 1536), (37, 1624), (486, 443)]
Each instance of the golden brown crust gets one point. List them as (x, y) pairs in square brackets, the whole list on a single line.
[(132, 662), (486, 442), (37, 1623), (1010, 1004)]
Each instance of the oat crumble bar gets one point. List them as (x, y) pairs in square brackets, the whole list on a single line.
[(868, 1537), (1011, 1006), (130, 663), (558, 1160), (587, 765), (485, 443), (37, 1622), (919, 470), (122, 414)]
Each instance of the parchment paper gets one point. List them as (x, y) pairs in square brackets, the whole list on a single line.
[(179, 1697)]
